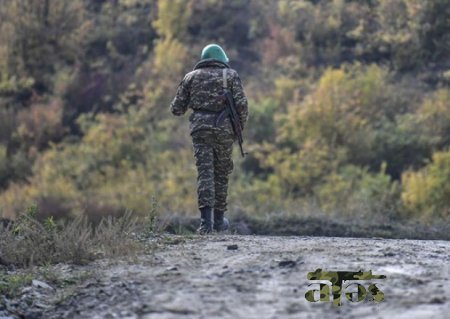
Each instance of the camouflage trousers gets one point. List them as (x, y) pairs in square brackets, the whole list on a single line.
[(212, 151)]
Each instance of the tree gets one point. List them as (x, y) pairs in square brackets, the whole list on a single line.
[(38, 36), (426, 193)]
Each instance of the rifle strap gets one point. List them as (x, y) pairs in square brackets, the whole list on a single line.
[(224, 79)]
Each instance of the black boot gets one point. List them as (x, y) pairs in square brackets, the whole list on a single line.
[(205, 222), (220, 222)]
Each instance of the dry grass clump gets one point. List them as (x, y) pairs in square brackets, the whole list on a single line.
[(29, 241)]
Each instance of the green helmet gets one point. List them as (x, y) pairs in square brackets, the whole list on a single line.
[(214, 51)]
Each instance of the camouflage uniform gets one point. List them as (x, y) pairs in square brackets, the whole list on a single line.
[(201, 90)]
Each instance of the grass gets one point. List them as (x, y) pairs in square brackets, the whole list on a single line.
[(29, 241), (12, 285), (17, 295)]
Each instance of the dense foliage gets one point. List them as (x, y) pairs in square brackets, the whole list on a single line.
[(349, 102)]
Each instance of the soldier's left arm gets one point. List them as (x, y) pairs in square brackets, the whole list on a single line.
[(180, 103), (240, 100)]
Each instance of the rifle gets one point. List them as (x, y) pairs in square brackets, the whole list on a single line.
[(230, 110)]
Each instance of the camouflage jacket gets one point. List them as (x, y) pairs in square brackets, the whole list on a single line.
[(201, 90)]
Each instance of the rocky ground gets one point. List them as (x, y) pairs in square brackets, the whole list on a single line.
[(231, 276)]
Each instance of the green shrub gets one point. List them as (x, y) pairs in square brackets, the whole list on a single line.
[(353, 191), (433, 118), (426, 193)]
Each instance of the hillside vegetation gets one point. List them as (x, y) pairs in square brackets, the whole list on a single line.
[(349, 106)]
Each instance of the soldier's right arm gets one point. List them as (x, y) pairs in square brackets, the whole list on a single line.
[(180, 102)]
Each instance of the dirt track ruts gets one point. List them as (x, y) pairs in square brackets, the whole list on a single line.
[(199, 277)]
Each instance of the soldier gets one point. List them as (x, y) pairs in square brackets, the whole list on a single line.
[(202, 91)]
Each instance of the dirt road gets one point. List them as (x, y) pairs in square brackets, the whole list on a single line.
[(263, 277)]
